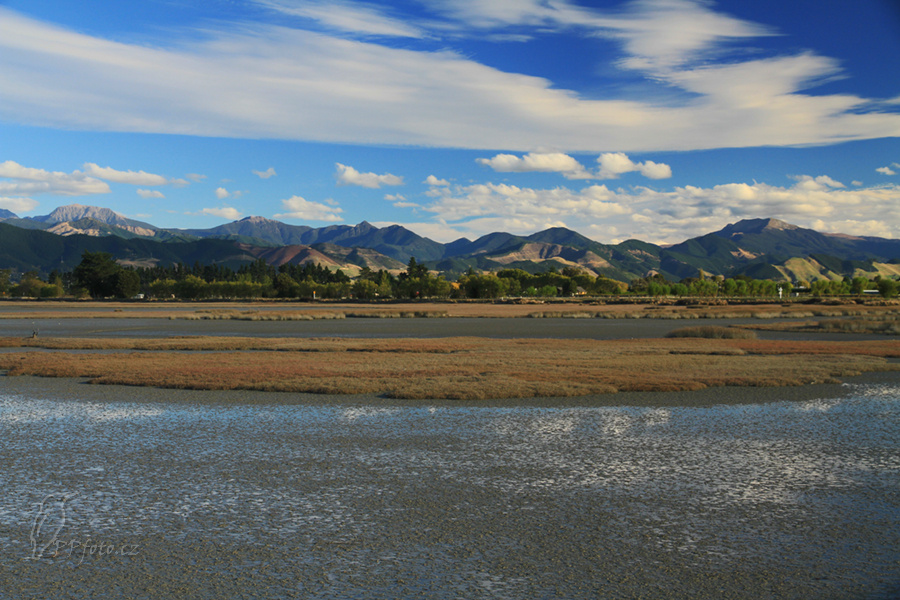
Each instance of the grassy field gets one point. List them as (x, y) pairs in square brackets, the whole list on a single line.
[(886, 325), (450, 368), (456, 368), (278, 310)]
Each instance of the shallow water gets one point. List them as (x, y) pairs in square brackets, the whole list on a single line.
[(368, 499), (598, 329)]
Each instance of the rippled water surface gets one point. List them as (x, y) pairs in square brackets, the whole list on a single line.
[(153, 499)]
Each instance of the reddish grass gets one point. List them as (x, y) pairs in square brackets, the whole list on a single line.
[(284, 310), (465, 368)]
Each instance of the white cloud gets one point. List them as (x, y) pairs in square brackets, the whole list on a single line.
[(613, 164), (222, 193), (195, 177), (250, 83), (225, 212), (131, 177), (665, 217), (352, 17), (349, 176), (270, 172), (18, 205), (304, 210), (28, 181), (526, 204), (432, 180), (822, 182), (553, 162), (147, 194), (657, 34), (400, 201), (886, 171)]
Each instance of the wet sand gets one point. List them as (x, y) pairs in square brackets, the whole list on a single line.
[(761, 493)]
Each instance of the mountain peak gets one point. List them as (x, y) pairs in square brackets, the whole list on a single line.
[(76, 212), (755, 226), (780, 225)]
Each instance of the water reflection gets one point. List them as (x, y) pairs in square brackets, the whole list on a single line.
[(795, 499)]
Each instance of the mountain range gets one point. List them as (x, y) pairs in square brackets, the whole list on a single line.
[(758, 248)]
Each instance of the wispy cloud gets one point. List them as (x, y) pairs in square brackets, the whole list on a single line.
[(350, 17), (247, 82), (888, 170), (268, 173), (300, 208), (225, 212), (149, 194), (18, 205), (28, 181), (656, 34), (346, 175), (400, 201), (130, 177)]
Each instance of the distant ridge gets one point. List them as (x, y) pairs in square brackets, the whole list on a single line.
[(763, 247)]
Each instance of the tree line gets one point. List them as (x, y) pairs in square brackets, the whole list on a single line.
[(98, 275)]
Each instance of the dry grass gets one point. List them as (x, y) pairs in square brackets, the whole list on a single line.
[(462, 368), (889, 325), (282, 310), (712, 332)]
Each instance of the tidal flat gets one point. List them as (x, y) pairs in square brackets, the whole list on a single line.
[(724, 492), (148, 493)]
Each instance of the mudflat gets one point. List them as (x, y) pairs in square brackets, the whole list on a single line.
[(582, 349)]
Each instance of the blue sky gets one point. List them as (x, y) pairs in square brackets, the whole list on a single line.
[(654, 119)]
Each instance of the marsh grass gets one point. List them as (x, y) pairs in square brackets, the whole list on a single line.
[(300, 311), (451, 368), (889, 325), (256, 315), (712, 332)]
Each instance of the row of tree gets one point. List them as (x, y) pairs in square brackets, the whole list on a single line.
[(99, 276)]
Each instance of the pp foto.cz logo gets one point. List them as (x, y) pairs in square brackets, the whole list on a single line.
[(52, 534)]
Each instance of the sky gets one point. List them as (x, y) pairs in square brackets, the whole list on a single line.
[(651, 119)]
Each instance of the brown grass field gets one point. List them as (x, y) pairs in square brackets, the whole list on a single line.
[(281, 310), (447, 368), (888, 325)]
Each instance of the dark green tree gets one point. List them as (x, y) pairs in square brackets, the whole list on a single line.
[(97, 273), (127, 283), (887, 287)]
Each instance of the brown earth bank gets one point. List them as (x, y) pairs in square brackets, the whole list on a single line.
[(447, 368), (591, 308)]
